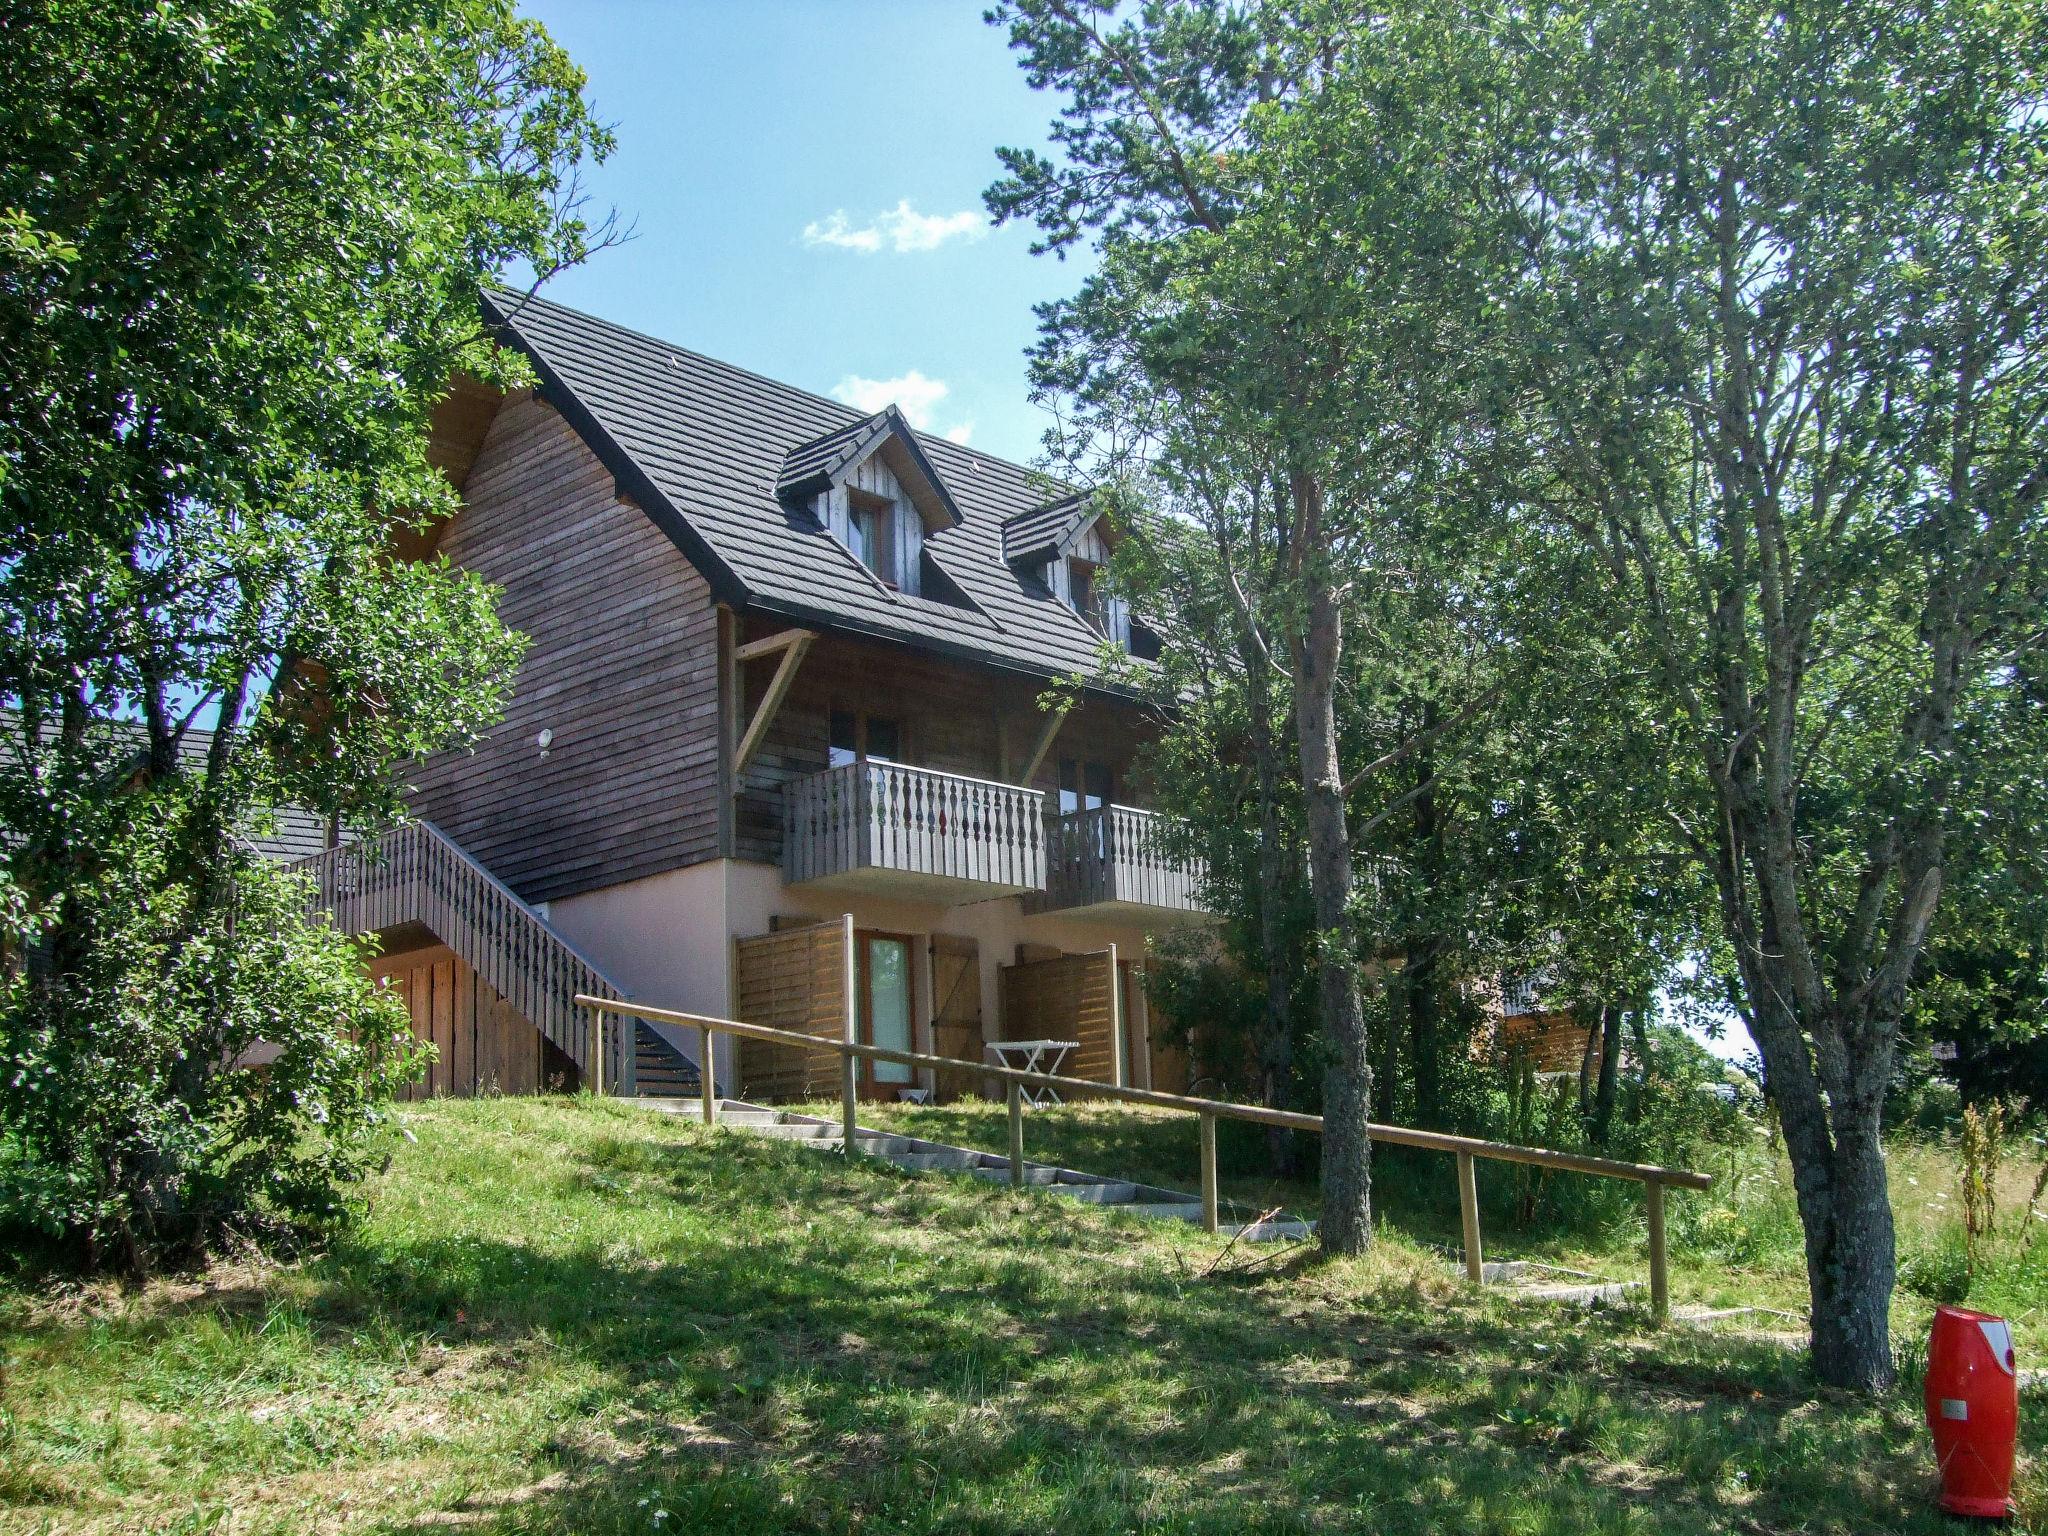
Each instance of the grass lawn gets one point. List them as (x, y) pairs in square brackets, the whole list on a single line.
[(573, 1316)]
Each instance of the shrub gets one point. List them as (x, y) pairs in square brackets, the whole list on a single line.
[(133, 1126)]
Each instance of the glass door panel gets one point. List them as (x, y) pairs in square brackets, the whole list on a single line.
[(886, 1005)]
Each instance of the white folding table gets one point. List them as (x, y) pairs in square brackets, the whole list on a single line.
[(1033, 1056)]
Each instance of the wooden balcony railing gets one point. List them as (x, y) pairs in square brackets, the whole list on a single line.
[(914, 822), (1116, 853), (418, 874)]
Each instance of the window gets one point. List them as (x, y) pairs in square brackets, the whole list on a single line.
[(1081, 583), (1084, 786), (876, 738), (871, 533)]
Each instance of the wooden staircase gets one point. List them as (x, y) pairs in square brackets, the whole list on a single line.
[(660, 1071), (417, 874)]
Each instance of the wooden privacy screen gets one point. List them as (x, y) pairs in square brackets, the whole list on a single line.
[(956, 1011), (1074, 998), (482, 1043), (794, 979)]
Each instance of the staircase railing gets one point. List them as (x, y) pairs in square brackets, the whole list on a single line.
[(418, 874)]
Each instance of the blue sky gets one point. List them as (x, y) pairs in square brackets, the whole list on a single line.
[(806, 178)]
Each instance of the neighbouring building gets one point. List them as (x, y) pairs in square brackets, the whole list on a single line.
[(780, 739)]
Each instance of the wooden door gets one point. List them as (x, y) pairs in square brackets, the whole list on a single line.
[(956, 1011)]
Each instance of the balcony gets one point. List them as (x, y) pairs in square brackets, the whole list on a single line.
[(1113, 861), (899, 831)]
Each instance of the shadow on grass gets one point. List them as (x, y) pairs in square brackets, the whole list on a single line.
[(890, 1356)]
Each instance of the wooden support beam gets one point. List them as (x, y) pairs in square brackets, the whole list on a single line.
[(1040, 745), (793, 644), (768, 645)]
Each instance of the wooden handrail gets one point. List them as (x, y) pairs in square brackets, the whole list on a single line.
[(416, 873), (1653, 1177)]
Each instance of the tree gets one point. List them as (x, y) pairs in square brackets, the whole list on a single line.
[(1781, 306), (1320, 323), (242, 249)]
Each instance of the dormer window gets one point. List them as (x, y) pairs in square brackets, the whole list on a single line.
[(870, 485), (1067, 544), (871, 529)]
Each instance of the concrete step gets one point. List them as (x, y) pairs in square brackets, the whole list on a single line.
[(792, 1130), (749, 1119), (1282, 1231), (951, 1161), (997, 1171), (1096, 1191), (872, 1145), (1163, 1210)]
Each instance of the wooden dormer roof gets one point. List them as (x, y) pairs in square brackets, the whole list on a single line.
[(714, 455), (826, 463), (1047, 532)]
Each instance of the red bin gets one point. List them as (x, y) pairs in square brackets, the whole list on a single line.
[(1973, 1407)]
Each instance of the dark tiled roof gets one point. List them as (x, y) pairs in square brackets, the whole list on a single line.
[(1042, 534), (705, 449)]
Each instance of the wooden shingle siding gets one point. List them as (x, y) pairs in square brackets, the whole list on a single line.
[(794, 979), (622, 669)]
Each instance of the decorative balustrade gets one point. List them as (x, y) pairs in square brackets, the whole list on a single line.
[(418, 874), (1117, 853), (913, 822)]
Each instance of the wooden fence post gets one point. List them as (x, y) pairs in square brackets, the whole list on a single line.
[(1468, 1209), (707, 1077), (1209, 1173), (1016, 1090), (849, 1068), (1660, 1275), (597, 1056)]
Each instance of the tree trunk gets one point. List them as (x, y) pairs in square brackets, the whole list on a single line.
[(1610, 1069), (1594, 1032), (1852, 1262), (1346, 1226), (1425, 1034)]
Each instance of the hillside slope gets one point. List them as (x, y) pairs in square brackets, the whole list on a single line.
[(576, 1316)]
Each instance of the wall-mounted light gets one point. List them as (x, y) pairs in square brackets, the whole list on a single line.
[(544, 740)]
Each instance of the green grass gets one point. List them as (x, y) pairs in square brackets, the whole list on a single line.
[(571, 1316)]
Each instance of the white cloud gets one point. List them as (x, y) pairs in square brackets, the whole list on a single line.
[(915, 395), (901, 228), (838, 230)]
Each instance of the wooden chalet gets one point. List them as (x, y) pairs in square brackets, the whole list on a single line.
[(778, 740)]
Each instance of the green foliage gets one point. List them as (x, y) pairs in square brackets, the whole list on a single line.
[(242, 253), (129, 1131)]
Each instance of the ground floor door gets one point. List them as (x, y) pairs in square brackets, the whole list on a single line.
[(956, 1011), (884, 1003)]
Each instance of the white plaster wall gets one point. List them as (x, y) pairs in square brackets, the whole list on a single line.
[(664, 939), (668, 938)]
